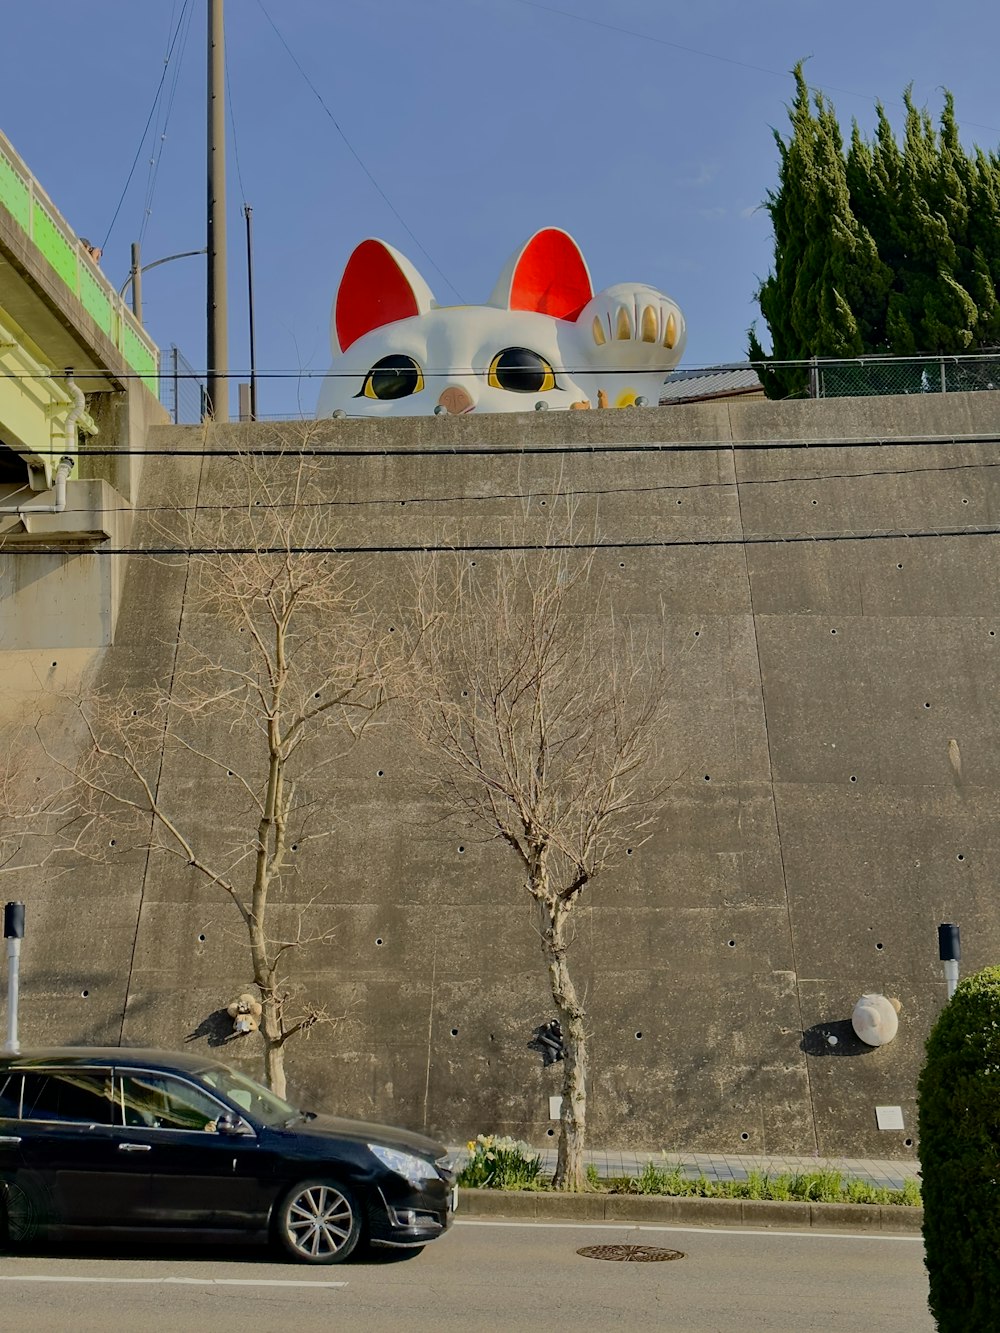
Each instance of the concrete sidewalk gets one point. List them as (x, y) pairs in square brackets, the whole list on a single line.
[(889, 1174)]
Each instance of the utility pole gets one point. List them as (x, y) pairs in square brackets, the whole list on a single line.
[(218, 305), (136, 276), (248, 214), (13, 929)]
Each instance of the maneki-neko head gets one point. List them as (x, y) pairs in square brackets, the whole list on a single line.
[(543, 340)]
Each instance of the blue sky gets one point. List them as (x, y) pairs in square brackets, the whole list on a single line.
[(642, 128)]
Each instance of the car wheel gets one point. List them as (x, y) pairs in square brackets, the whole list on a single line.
[(318, 1222), (19, 1214)]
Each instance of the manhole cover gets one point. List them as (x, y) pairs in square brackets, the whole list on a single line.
[(630, 1254)]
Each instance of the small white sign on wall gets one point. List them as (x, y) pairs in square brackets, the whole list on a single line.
[(555, 1108), (889, 1117)]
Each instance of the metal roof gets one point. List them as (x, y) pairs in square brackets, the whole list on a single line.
[(709, 382)]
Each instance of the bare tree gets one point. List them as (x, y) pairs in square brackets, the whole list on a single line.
[(543, 713), (278, 671)]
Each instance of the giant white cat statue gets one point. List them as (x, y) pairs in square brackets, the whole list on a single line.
[(543, 340)]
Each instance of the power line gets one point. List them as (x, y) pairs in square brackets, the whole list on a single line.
[(714, 55), (149, 119), (475, 548), (357, 156), (397, 501), (548, 450)]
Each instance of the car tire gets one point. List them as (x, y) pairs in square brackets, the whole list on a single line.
[(318, 1222), (18, 1215)]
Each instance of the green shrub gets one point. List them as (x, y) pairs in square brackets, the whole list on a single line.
[(500, 1164), (958, 1098)]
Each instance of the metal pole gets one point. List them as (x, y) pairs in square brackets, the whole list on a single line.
[(248, 214), (218, 306), (13, 929), (950, 951), (177, 394), (136, 282)]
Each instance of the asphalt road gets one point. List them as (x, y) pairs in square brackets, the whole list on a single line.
[(486, 1276)]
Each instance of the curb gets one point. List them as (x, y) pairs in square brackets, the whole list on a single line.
[(534, 1205)]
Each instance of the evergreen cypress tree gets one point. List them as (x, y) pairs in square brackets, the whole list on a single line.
[(882, 250)]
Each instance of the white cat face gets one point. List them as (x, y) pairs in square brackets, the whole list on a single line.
[(543, 340)]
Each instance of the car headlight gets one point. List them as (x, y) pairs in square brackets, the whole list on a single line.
[(415, 1170)]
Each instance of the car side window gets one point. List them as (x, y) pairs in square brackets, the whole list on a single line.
[(159, 1101), (68, 1096), (10, 1097)]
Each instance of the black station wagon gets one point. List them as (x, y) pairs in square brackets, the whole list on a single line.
[(155, 1144)]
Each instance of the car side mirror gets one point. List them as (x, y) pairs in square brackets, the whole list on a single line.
[(228, 1123)]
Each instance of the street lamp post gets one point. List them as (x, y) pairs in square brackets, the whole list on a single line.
[(134, 279)]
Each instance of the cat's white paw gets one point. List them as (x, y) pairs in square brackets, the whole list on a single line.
[(631, 324)]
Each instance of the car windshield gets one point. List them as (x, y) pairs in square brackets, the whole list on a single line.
[(249, 1095)]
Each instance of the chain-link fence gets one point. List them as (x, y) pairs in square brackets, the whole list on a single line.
[(182, 389), (867, 377)]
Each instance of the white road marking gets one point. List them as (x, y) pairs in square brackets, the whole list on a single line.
[(169, 1281), (693, 1231)]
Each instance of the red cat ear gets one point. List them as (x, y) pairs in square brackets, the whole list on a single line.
[(379, 286), (548, 274)]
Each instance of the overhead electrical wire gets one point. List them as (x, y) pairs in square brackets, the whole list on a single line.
[(713, 55), (500, 548), (160, 133), (149, 120), (357, 156)]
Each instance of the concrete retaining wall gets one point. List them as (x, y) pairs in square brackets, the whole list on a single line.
[(833, 742)]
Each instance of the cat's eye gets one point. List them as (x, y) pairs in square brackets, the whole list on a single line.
[(522, 371), (394, 376)]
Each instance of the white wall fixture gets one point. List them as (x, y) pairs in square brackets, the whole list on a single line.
[(555, 1108), (889, 1117), (876, 1019)]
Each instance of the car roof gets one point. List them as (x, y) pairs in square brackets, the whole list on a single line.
[(87, 1055)]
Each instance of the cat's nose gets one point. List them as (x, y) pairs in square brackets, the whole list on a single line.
[(455, 400)]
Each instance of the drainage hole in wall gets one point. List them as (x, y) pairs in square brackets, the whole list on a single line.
[(380, 773), (708, 777), (84, 994), (815, 502), (964, 501), (907, 1143), (113, 842), (899, 566), (621, 564), (201, 939), (295, 846), (879, 945), (638, 1036), (465, 694), (732, 944), (454, 1032), (961, 856), (744, 1136), (229, 772), (379, 941), (993, 633), (853, 778), (472, 563), (697, 633), (927, 705), (550, 1132), (461, 847), (55, 663), (833, 631), (628, 851)]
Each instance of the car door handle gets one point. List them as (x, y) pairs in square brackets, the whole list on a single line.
[(12, 1140), (133, 1147)]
